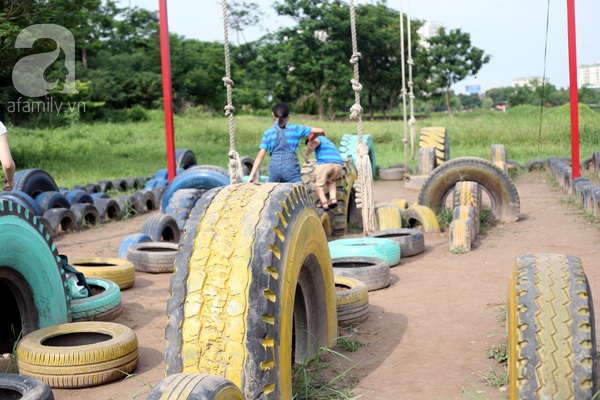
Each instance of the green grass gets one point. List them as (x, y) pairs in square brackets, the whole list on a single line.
[(84, 153)]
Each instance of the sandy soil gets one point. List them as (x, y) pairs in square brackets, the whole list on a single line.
[(427, 334)]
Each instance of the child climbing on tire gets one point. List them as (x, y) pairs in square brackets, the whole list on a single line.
[(328, 170)]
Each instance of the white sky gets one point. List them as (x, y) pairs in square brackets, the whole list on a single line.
[(511, 31)]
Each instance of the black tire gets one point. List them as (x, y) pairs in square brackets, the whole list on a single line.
[(247, 164), (551, 325), (503, 193), (34, 181), (162, 228), (128, 205), (185, 158), (120, 185), (373, 272), (352, 301), (195, 387), (146, 199), (79, 196), (286, 305), (62, 220), (47, 226), (103, 305), (181, 204), (14, 386), (412, 241), (108, 209), (159, 191), (48, 200), (92, 188), (33, 291), (392, 174), (80, 354), (586, 164), (513, 166), (536, 163), (153, 258), (86, 215), (105, 186)]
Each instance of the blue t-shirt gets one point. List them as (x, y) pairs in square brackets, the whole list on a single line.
[(327, 153), (293, 133)]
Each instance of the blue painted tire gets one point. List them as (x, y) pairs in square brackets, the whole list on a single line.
[(97, 196), (103, 306), (79, 196), (23, 199), (348, 148), (48, 200), (154, 183), (162, 174), (197, 179), (130, 240), (34, 181), (31, 277), (182, 203), (386, 249)]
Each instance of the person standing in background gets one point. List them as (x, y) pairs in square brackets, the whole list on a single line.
[(8, 165)]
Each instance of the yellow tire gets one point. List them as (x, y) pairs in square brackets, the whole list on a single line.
[(79, 354), (498, 153), (195, 387), (422, 217), (551, 330), (121, 272), (352, 300), (389, 216), (402, 203), (437, 137), (253, 284)]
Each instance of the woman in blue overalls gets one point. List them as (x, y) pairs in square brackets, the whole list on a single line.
[(281, 141)]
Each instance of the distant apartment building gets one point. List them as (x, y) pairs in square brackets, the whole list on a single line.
[(529, 81), (428, 30), (588, 75)]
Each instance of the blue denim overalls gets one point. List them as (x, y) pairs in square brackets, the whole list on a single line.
[(284, 166)]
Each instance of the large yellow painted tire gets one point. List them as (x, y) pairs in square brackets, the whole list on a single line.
[(437, 137), (253, 285), (551, 331), (195, 387), (121, 272), (79, 354)]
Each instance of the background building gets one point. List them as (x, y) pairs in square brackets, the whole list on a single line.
[(428, 30), (530, 81), (589, 75)]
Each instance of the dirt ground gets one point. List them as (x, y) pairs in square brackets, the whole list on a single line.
[(427, 334)]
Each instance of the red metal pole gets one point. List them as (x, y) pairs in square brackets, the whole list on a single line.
[(167, 91), (574, 93)]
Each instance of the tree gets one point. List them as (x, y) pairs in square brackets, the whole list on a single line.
[(452, 58)]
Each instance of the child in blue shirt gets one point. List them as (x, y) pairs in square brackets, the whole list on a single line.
[(328, 170)]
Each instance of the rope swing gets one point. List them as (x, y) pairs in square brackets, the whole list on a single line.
[(235, 168), (411, 95), (364, 190)]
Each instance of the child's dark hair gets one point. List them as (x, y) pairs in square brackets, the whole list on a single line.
[(281, 111)]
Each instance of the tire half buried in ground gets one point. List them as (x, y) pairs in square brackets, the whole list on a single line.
[(253, 285), (501, 189)]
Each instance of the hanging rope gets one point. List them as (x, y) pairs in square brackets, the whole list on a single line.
[(404, 92), (364, 192), (234, 162), (412, 119)]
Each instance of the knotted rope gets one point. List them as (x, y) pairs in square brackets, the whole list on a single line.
[(235, 168), (364, 192), (404, 91), (412, 119)]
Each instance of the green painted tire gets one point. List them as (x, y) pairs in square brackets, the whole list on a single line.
[(253, 285), (104, 306), (551, 329), (348, 149), (385, 249), (195, 387), (33, 291)]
